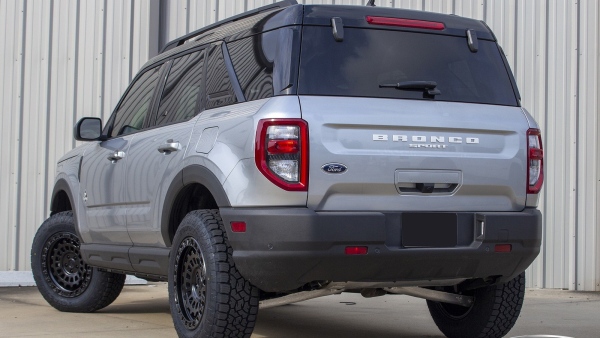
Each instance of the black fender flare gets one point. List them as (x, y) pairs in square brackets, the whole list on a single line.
[(62, 185), (188, 175)]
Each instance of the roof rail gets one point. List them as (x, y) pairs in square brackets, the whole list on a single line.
[(179, 41)]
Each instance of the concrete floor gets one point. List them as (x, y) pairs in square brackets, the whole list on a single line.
[(143, 311)]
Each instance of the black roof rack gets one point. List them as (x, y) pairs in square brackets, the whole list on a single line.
[(179, 41)]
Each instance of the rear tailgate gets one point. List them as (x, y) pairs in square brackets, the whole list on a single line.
[(415, 155)]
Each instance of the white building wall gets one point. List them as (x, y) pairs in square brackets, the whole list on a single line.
[(64, 59), (60, 60)]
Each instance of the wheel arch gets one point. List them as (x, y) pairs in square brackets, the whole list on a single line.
[(62, 200), (194, 187)]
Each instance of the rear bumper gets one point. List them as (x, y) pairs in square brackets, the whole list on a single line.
[(284, 248)]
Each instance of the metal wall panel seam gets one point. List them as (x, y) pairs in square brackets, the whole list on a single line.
[(36, 73), (573, 133), (102, 69), (131, 39), (587, 221), (10, 101), (575, 252), (48, 109), (20, 142), (546, 127), (596, 57)]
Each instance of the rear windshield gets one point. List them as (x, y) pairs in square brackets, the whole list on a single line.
[(368, 58)]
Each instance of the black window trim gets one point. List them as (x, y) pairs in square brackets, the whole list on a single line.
[(235, 83), (226, 57), (199, 101), (151, 118)]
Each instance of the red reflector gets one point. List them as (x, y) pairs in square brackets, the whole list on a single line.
[(238, 226), (356, 250), (381, 20), (283, 146), (503, 248), (536, 154)]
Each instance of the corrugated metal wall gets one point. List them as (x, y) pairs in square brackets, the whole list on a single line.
[(60, 60), (65, 59)]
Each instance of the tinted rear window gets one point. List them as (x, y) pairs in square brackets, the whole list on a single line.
[(369, 57)]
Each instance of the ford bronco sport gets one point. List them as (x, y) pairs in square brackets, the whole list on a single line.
[(297, 151)]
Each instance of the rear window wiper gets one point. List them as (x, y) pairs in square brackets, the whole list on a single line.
[(428, 86)]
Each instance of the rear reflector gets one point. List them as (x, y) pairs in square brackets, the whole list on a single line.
[(409, 23), (238, 226), (503, 248), (356, 250)]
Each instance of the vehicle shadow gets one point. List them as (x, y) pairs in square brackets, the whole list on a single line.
[(155, 305), (297, 321)]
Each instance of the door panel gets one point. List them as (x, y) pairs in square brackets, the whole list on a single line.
[(149, 173), (103, 191)]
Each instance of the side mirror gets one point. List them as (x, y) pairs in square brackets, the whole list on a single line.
[(88, 129)]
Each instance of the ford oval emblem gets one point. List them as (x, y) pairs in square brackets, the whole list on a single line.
[(334, 168)]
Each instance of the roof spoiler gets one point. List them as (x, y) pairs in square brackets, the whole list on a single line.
[(180, 41)]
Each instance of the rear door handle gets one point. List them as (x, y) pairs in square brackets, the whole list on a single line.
[(117, 155), (169, 147)]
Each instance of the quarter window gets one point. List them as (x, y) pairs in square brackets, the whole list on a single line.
[(253, 67), (219, 91)]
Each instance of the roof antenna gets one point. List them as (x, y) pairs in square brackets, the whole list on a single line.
[(371, 3)]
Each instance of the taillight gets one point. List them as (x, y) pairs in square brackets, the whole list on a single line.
[(282, 152), (409, 23), (535, 161)]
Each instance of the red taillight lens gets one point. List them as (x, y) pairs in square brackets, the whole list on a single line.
[(281, 152), (535, 161), (283, 146), (409, 23)]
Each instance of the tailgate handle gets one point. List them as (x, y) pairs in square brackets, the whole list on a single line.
[(428, 181), (426, 188)]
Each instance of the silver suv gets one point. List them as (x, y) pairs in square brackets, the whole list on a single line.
[(298, 151)]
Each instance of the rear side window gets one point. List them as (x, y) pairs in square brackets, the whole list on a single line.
[(181, 94), (253, 68), (267, 64), (135, 105), (219, 91), (368, 58)]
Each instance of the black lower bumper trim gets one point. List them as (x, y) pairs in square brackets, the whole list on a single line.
[(285, 248)]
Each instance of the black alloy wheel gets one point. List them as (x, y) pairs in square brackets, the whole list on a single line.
[(190, 283), (63, 268), (61, 274)]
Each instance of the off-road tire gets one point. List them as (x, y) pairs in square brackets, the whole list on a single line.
[(494, 311), (62, 277), (207, 294)]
